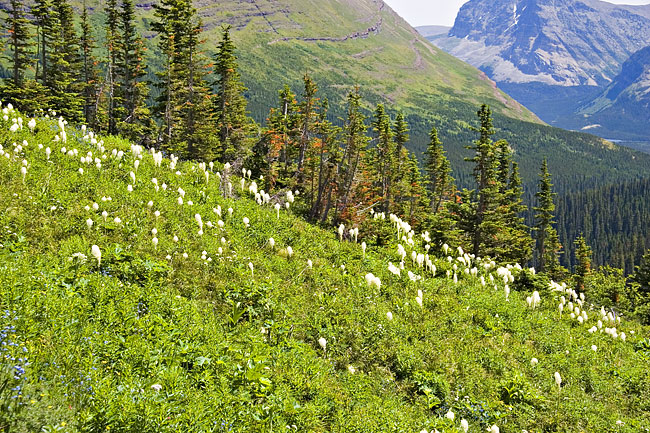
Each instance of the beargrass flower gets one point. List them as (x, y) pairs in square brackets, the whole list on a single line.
[(97, 253)]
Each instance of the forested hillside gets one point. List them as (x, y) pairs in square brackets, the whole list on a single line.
[(614, 220)]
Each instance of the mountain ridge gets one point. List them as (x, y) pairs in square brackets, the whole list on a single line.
[(555, 58)]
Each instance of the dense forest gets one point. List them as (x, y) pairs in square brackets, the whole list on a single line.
[(350, 169)]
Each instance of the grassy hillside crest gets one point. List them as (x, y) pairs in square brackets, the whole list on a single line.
[(139, 293)]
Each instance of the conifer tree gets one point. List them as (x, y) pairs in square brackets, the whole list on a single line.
[(383, 157), (308, 113), (439, 182), (355, 144), (133, 120), (641, 276), (401, 168), (513, 239), (328, 153), (486, 221), (197, 109), (41, 13), (283, 134), (184, 104), (90, 74), (65, 76), (233, 124), (583, 262), (547, 245), (20, 44), (21, 91), (113, 43)]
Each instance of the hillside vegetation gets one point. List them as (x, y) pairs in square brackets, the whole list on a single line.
[(145, 294)]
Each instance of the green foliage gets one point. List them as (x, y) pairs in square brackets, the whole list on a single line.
[(152, 340)]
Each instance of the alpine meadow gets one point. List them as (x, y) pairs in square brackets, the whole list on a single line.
[(276, 216)]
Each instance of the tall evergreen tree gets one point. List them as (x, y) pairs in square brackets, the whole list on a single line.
[(40, 11), (328, 153), (184, 104), (486, 221), (309, 114), (233, 124), (583, 263), (356, 142), (439, 182), (133, 119), (513, 239), (641, 276), (547, 245), (383, 157), (90, 74), (113, 43), (23, 92), (20, 43)]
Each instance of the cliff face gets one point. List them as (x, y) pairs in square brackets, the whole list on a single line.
[(554, 56), (572, 42)]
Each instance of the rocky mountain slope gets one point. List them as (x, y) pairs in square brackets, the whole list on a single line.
[(555, 57), (626, 99)]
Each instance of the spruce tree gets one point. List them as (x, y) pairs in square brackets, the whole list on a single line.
[(309, 114), (547, 246), (233, 124), (90, 74), (356, 142), (513, 239), (583, 262), (133, 120), (382, 157), (486, 221), (328, 153), (283, 135), (63, 60), (641, 275), (439, 183), (41, 13), (20, 43), (23, 92), (113, 42)]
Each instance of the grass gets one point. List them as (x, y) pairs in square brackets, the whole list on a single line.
[(150, 341)]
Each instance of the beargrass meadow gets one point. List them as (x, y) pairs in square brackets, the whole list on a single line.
[(168, 264)]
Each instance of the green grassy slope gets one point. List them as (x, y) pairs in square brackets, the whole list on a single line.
[(151, 340)]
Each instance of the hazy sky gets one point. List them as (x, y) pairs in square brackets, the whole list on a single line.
[(443, 12)]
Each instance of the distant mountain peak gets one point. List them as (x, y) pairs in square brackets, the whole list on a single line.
[(564, 59), (567, 43)]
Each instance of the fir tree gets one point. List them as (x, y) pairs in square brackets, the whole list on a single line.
[(328, 153), (513, 239), (309, 113), (355, 144), (133, 120), (233, 124), (547, 245), (22, 92), (383, 157), (486, 221), (20, 44), (439, 182), (641, 276), (90, 73), (41, 13), (583, 263), (113, 43), (283, 134)]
